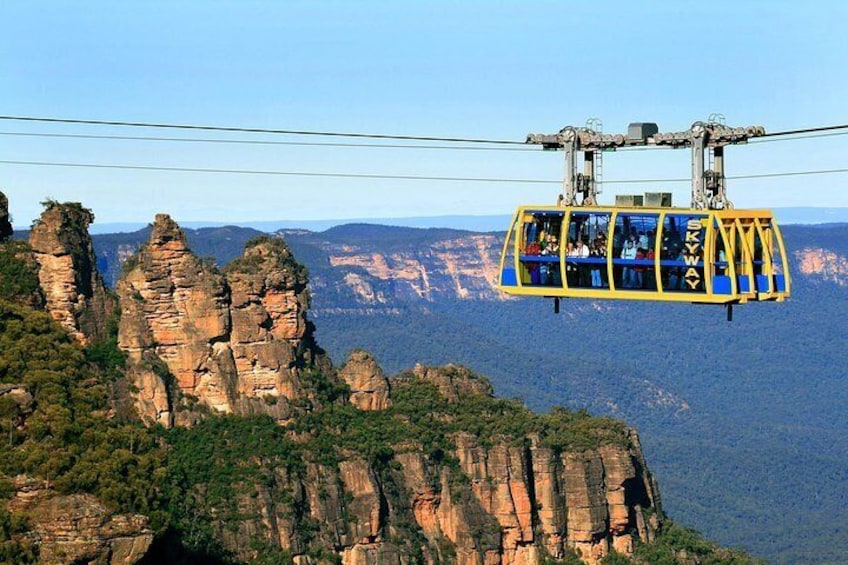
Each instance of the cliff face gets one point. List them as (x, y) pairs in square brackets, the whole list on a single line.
[(232, 343), (464, 268), (416, 266), (369, 387), (77, 528), (503, 499), (823, 264), (75, 294)]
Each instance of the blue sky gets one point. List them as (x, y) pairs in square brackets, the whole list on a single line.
[(494, 70)]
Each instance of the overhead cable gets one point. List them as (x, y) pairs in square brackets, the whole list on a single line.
[(394, 177), (267, 142), (335, 133), (805, 130), (258, 130)]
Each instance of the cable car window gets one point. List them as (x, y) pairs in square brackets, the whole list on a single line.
[(540, 247), (508, 262), (720, 260), (682, 252), (586, 250), (777, 250), (634, 240), (770, 259), (768, 237)]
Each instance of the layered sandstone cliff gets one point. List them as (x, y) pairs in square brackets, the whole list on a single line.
[(823, 264), (370, 273), (369, 387), (75, 294), (490, 499), (77, 528), (230, 343)]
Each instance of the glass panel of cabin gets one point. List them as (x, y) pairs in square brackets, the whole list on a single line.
[(586, 249), (773, 252), (722, 268), (758, 263), (780, 276), (633, 244), (682, 252), (540, 248), (508, 276), (742, 254)]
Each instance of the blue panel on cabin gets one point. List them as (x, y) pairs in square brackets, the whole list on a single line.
[(744, 284), (721, 285), (780, 283), (508, 277), (762, 282)]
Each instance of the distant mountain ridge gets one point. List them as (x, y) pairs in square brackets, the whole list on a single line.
[(479, 223)]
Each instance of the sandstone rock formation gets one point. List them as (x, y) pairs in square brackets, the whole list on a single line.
[(233, 343), (454, 382), (823, 264), (237, 342), (75, 294), (376, 274), (369, 387), (5, 224), (77, 528), (512, 501)]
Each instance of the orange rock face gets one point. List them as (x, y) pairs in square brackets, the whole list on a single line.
[(521, 504), (229, 342), (464, 268), (78, 528), (824, 264), (75, 294), (369, 387)]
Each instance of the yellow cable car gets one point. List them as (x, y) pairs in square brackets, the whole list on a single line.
[(708, 253)]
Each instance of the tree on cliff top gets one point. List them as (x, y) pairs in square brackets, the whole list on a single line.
[(5, 224)]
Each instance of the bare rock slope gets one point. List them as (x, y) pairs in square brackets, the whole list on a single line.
[(75, 294), (229, 342)]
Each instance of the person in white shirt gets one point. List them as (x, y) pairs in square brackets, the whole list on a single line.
[(628, 278), (582, 251)]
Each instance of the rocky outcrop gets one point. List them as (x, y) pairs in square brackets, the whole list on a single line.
[(376, 268), (461, 267), (510, 500), (77, 528), (270, 333), (5, 223), (174, 325), (545, 501), (75, 294), (454, 382), (369, 387), (823, 264), (19, 395), (231, 343)]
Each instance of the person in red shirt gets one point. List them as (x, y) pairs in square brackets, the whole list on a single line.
[(640, 269)]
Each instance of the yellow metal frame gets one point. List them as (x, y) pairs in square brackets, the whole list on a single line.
[(738, 231)]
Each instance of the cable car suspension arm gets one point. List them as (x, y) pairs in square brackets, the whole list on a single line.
[(709, 186)]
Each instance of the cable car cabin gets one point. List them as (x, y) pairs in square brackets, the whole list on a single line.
[(662, 254)]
